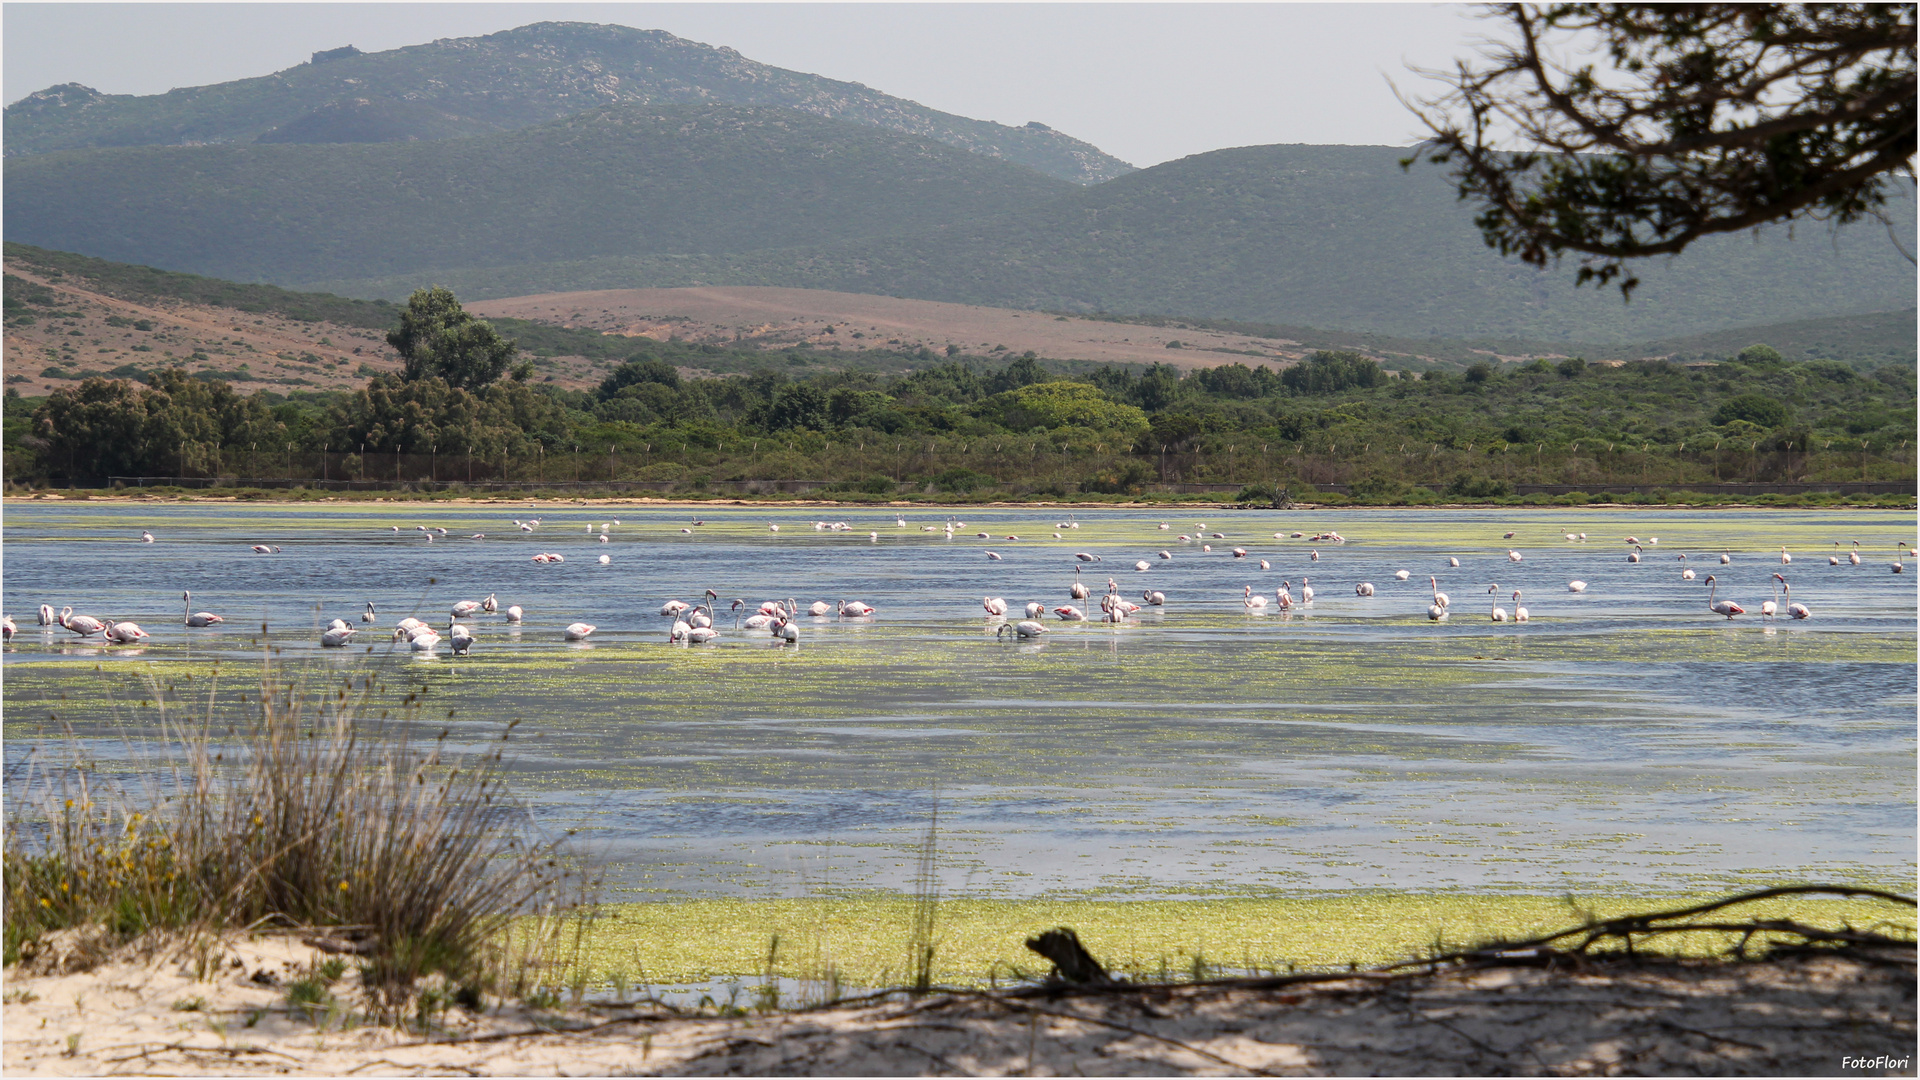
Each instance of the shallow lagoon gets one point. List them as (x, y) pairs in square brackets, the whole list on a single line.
[(1624, 740)]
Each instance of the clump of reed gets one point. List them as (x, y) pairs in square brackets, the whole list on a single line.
[(321, 809)]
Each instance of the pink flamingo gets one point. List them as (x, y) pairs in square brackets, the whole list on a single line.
[(1721, 607)]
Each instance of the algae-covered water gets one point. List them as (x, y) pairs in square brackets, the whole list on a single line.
[(1624, 740)]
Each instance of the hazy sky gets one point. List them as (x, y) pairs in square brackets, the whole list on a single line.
[(1144, 82)]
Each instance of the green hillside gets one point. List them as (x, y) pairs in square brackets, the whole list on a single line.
[(621, 180), (513, 79), (1324, 236)]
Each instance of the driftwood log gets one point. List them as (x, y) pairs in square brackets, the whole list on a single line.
[(1072, 962)]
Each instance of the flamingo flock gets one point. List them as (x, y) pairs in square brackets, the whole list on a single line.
[(694, 623)]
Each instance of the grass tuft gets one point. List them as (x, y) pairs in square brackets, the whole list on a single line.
[(309, 816)]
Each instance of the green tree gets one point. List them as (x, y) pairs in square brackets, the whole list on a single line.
[(1754, 409), (1712, 118), (437, 338), (1331, 372)]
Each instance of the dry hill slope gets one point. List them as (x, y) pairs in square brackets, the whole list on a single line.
[(772, 318)]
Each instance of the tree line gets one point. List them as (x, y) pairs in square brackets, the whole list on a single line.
[(464, 391)]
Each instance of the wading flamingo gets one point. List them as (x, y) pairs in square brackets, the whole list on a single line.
[(1498, 614), (1365, 588), (1025, 628), (579, 631), (1854, 555), (1576, 586), (337, 636), (1785, 559), (47, 616), (1722, 607), (1254, 602), (1438, 609), (1519, 613), (1768, 607), (1154, 598), (1798, 611), (126, 633), (514, 613), (1036, 610), (994, 605), (1438, 596), (1074, 614), (84, 625), (198, 618)]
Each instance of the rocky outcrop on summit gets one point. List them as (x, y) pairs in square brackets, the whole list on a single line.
[(512, 79)]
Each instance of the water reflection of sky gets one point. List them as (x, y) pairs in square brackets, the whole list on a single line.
[(1625, 738)]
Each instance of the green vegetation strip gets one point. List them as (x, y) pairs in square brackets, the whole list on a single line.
[(862, 940)]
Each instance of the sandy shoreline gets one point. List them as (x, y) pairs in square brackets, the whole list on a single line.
[(1807, 1014)]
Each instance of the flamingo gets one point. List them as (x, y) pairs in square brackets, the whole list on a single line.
[(773, 528), (1785, 558), (1453, 562), (673, 608), (994, 605), (1154, 598), (1239, 553), (7, 629), (854, 609), (1144, 565), (1576, 586), (1284, 596), (424, 639), (1253, 602), (198, 618), (1514, 556), (1036, 610), (700, 635), (1722, 607), (367, 615), (1365, 588), (1519, 613), (1506, 536), (126, 633), (1164, 526), (1025, 628), (465, 608), (146, 538), (1306, 592), (579, 631), (489, 605), (406, 627), (1265, 565), (1402, 575), (1070, 614), (47, 617), (1798, 611), (678, 631), (1768, 607), (514, 613), (337, 636), (1897, 566), (993, 556), (1834, 559), (1078, 590), (84, 625), (263, 549), (1499, 614), (1726, 556), (819, 609), (1168, 555), (1854, 555), (1438, 596), (1634, 555), (1085, 557), (460, 637), (1313, 556), (1438, 609)]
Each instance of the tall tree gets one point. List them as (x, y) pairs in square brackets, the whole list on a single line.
[(436, 337), (1707, 118)]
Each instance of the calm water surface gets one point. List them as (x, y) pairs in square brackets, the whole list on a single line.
[(1625, 739)]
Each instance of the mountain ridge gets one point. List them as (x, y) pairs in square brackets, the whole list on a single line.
[(1332, 237), (512, 79), (630, 178)]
